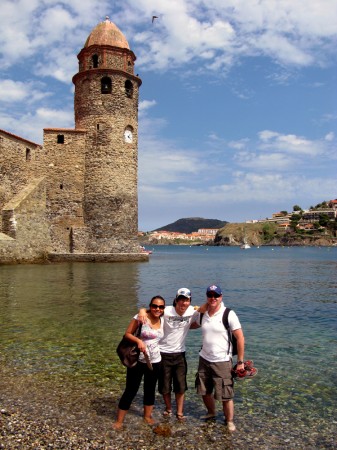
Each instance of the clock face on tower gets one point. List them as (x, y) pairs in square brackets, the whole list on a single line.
[(128, 136)]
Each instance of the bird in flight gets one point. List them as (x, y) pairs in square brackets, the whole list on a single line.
[(153, 18)]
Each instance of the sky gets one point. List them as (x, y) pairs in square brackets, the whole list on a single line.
[(238, 103)]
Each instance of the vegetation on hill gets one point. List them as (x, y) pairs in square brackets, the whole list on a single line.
[(268, 233), (188, 225)]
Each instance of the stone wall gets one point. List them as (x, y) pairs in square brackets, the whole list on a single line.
[(65, 152), (20, 161), (24, 218)]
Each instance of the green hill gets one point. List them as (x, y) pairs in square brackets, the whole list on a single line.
[(190, 224)]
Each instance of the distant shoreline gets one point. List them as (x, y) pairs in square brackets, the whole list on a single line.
[(212, 244)]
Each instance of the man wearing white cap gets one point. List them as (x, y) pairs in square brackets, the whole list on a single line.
[(215, 381), (177, 321)]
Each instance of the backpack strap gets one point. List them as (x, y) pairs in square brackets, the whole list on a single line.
[(226, 325)]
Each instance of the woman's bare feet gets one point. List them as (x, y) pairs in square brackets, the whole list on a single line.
[(149, 420), (117, 425)]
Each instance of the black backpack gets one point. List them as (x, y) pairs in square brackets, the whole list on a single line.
[(231, 338)]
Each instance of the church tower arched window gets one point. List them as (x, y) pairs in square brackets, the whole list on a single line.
[(128, 88), (94, 61), (106, 85)]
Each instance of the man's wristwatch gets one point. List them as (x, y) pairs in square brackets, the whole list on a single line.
[(239, 362)]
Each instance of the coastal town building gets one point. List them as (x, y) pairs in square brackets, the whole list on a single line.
[(203, 234), (312, 215), (208, 231), (315, 214), (75, 197)]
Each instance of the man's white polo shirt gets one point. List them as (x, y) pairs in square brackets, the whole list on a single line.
[(215, 336)]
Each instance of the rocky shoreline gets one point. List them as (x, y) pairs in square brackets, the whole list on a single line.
[(41, 414)]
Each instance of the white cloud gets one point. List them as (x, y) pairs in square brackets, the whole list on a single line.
[(271, 162), (60, 64), (244, 188), (276, 170), (11, 91), (30, 125), (330, 136), (37, 27), (51, 117), (293, 33), (144, 105), (281, 48), (16, 91), (290, 143), (238, 145), (162, 164)]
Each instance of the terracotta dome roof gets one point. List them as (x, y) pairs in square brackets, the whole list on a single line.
[(107, 33)]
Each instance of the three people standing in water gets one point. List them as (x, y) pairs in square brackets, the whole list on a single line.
[(170, 326)]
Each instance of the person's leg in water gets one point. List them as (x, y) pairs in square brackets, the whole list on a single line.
[(133, 379)]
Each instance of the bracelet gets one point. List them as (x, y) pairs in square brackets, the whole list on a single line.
[(239, 362)]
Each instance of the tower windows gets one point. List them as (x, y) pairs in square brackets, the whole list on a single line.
[(28, 154), (106, 85), (95, 61), (128, 89), (60, 138)]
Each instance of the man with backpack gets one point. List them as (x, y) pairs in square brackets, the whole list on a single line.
[(214, 378)]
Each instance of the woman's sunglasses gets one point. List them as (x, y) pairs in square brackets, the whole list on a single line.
[(213, 295), (154, 306)]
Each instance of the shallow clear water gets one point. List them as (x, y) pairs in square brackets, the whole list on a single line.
[(64, 321)]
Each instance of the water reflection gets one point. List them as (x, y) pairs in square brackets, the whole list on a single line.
[(65, 317)]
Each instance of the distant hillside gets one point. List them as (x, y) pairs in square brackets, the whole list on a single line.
[(191, 224)]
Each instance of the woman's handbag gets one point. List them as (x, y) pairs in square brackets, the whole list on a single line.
[(128, 351)]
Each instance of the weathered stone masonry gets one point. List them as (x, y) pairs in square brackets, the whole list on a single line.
[(87, 176)]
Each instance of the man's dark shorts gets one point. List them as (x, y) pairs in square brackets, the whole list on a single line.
[(173, 371), (217, 377)]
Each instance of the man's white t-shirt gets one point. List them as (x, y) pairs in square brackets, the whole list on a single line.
[(215, 336), (176, 328)]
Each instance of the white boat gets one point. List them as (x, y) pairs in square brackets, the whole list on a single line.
[(143, 250)]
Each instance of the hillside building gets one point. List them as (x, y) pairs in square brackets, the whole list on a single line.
[(75, 197)]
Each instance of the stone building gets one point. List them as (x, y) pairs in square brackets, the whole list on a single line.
[(75, 197)]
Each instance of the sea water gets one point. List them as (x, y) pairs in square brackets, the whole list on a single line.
[(63, 322)]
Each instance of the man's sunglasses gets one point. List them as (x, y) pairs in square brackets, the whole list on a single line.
[(212, 295), (154, 306)]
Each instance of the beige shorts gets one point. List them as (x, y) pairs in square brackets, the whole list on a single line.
[(215, 377)]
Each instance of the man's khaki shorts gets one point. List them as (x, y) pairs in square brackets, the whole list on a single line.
[(215, 377)]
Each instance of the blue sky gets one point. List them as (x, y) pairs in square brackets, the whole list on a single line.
[(238, 106)]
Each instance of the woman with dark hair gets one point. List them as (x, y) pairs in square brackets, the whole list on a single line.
[(178, 319), (148, 364)]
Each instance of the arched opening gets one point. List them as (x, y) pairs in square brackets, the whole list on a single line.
[(128, 89), (95, 61), (106, 85), (28, 154)]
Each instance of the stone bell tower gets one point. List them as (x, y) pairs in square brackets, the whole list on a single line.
[(106, 106)]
